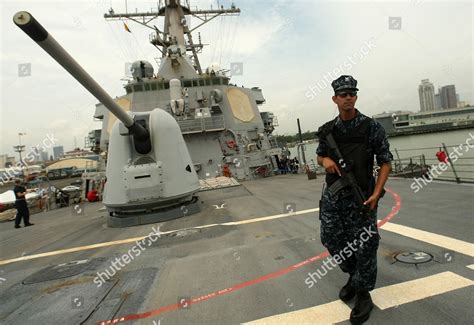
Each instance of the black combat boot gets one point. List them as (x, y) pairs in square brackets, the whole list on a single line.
[(347, 292), (362, 308)]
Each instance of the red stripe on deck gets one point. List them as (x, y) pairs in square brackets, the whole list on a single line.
[(273, 275)]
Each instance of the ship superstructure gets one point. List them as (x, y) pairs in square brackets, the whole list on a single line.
[(224, 130)]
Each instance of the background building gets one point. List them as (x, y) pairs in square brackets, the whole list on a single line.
[(71, 167), (427, 96), (6, 161), (79, 153), (448, 97), (437, 101), (58, 152), (404, 122), (44, 155)]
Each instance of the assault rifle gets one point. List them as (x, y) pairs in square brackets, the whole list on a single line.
[(347, 178)]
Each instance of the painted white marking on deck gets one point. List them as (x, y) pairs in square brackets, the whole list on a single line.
[(385, 297), (405, 292), (330, 313), (276, 216), (452, 244), (132, 240)]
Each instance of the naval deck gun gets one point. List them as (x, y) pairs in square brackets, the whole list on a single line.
[(150, 174)]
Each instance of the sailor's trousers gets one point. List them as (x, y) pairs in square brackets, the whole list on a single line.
[(22, 212), (351, 239)]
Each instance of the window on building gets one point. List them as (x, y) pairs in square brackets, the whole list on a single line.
[(138, 88)]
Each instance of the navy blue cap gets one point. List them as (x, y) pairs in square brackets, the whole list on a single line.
[(344, 83)]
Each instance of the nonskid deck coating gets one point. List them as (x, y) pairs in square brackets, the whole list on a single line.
[(205, 263)]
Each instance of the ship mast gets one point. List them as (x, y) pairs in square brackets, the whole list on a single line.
[(171, 42)]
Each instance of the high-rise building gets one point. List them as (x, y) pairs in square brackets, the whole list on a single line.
[(448, 97), (31, 156), (44, 155), (58, 152), (427, 96), (437, 102)]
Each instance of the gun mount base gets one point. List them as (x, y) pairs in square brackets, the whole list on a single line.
[(116, 220)]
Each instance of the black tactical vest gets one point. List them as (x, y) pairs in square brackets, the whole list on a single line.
[(354, 149)]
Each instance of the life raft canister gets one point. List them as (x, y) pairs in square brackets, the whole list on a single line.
[(442, 157)]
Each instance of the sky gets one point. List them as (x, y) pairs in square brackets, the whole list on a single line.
[(292, 50)]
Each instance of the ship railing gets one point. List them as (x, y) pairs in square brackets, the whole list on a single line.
[(262, 171), (273, 142), (409, 164), (460, 163), (205, 124)]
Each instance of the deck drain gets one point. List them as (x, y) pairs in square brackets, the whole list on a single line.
[(413, 257)]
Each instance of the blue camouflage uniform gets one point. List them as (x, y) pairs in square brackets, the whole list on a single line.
[(342, 228)]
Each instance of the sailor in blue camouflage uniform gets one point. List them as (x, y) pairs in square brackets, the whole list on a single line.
[(344, 231)]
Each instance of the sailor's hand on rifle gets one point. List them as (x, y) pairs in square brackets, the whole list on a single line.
[(372, 201), (331, 166)]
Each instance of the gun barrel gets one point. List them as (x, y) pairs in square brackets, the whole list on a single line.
[(25, 21)]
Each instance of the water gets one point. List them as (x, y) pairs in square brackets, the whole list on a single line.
[(404, 147)]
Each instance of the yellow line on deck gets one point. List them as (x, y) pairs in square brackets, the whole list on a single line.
[(131, 240)]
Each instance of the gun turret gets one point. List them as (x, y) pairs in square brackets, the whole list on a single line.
[(24, 20), (150, 174)]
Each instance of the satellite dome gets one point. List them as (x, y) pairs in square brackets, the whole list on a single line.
[(141, 69)]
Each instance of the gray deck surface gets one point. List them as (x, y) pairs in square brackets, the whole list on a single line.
[(193, 264)]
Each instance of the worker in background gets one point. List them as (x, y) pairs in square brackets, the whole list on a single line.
[(21, 206)]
